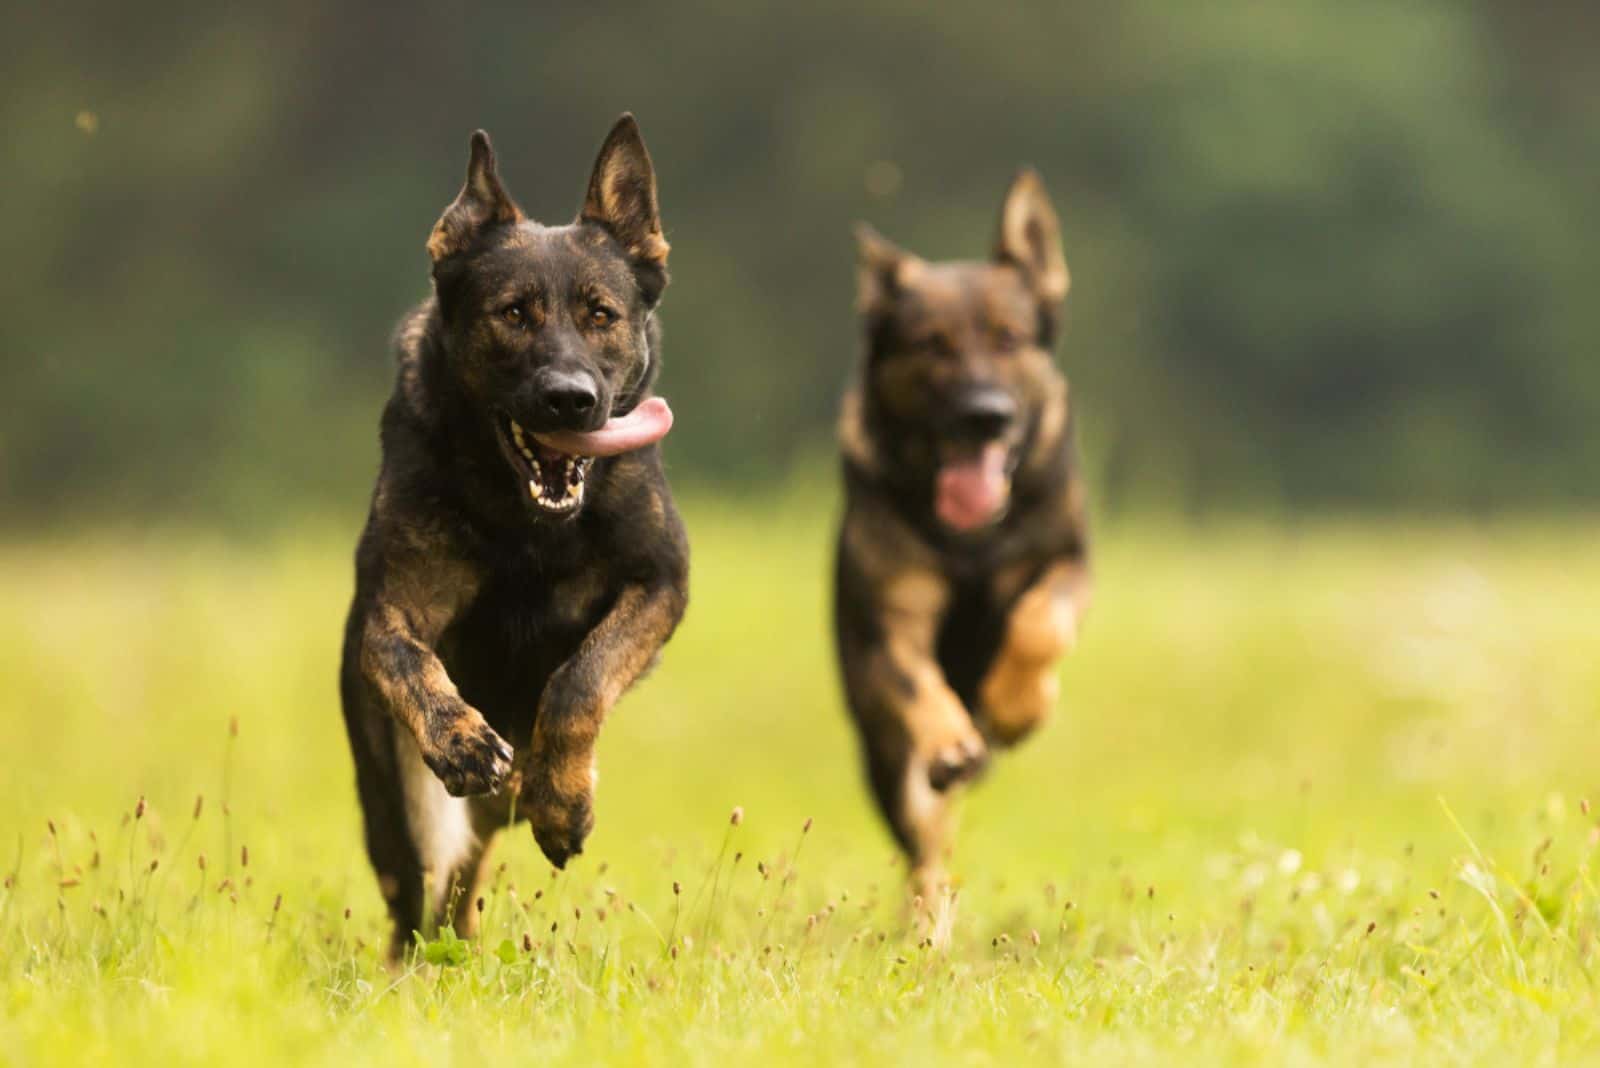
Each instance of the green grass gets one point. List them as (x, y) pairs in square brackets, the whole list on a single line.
[(1313, 795)]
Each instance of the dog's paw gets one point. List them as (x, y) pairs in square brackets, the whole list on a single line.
[(1016, 698), (468, 756), (559, 804), (956, 759)]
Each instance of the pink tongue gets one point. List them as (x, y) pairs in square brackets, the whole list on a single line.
[(645, 425), (971, 492)]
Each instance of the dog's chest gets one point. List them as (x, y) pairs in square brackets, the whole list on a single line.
[(522, 626)]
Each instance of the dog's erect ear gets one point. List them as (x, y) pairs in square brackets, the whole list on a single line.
[(482, 202), (884, 270), (622, 194), (1030, 236)]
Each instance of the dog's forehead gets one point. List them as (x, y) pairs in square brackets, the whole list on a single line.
[(968, 290), (554, 256)]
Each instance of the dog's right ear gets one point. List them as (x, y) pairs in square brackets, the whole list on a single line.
[(883, 269), (482, 202)]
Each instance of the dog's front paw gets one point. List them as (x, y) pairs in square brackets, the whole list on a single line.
[(1016, 698), (558, 799), (468, 756), (955, 758)]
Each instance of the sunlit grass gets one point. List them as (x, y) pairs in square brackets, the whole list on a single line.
[(1312, 795)]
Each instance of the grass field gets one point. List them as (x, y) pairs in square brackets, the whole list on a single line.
[(1314, 795)]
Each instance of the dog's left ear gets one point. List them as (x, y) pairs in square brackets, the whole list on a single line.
[(482, 202), (1030, 237), (622, 194)]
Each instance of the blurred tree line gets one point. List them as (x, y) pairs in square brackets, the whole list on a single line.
[(1324, 253)]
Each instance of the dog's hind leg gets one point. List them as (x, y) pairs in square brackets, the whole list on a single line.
[(489, 815), (383, 807), (442, 836)]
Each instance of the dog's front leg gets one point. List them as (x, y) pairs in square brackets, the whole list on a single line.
[(919, 739), (557, 791), (1020, 688), (456, 742)]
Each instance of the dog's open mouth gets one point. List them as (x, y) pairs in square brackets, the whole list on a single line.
[(555, 465), (973, 486), (555, 479)]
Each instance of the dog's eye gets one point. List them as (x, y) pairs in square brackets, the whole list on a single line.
[(513, 314), (601, 317)]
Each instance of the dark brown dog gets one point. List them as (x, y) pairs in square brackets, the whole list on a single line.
[(962, 559), (523, 562)]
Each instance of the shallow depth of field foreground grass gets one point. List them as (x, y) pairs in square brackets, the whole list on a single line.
[(1313, 795)]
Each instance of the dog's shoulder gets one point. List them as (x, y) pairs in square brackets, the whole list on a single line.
[(855, 441), (635, 517), (415, 342)]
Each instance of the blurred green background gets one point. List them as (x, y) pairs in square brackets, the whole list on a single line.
[(1328, 255)]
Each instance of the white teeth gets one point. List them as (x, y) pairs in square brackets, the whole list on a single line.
[(570, 494)]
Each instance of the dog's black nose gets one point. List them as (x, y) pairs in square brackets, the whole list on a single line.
[(566, 399), (985, 412)]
